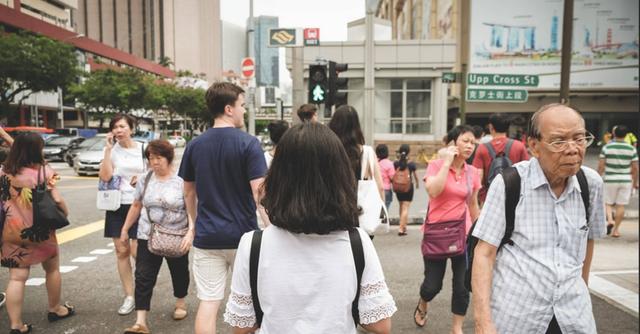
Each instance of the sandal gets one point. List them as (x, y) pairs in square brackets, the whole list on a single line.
[(422, 314), (53, 316), (20, 330), (609, 228), (137, 329), (179, 313)]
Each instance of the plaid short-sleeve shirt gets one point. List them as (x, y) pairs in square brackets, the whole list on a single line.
[(541, 273)]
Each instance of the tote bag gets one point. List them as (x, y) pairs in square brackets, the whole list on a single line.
[(374, 218), (109, 194)]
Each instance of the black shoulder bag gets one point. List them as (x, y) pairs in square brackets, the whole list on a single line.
[(46, 212)]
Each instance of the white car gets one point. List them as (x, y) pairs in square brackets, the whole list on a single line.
[(177, 141), (88, 162)]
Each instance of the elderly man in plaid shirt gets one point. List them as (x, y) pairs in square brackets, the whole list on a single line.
[(538, 284)]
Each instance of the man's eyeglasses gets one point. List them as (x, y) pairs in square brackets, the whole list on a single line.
[(560, 145)]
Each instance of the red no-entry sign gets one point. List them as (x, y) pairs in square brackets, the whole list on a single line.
[(248, 67)]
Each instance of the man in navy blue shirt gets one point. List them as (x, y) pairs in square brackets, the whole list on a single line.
[(224, 167)]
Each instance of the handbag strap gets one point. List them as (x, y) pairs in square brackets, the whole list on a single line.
[(144, 191)]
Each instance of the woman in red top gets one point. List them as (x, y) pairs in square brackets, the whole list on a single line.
[(453, 187)]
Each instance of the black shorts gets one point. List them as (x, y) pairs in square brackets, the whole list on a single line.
[(114, 220), (405, 197)]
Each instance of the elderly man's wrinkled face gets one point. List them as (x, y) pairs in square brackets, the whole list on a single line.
[(562, 145)]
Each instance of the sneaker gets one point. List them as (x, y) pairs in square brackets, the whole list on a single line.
[(127, 306), (3, 298)]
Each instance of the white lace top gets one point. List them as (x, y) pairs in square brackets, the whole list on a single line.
[(307, 283)]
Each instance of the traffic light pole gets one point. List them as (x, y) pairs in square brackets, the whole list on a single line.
[(298, 90)]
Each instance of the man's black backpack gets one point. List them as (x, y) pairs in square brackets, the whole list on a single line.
[(254, 259), (499, 160), (512, 197)]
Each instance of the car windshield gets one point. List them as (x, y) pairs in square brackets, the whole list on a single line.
[(59, 141), (90, 142), (98, 146)]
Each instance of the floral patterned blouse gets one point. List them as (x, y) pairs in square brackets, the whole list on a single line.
[(23, 244)]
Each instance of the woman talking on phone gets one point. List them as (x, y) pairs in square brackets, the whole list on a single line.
[(123, 161), (453, 186)]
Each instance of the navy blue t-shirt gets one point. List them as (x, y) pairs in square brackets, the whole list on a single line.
[(222, 162)]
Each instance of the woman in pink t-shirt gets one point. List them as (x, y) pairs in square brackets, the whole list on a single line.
[(453, 187)]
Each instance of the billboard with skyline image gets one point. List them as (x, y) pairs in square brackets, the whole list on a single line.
[(526, 38)]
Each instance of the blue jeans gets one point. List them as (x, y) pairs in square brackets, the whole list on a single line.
[(388, 198)]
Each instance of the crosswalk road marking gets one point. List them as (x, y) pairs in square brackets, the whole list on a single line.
[(100, 251), (36, 281), (611, 291), (84, 259), (66, 269)]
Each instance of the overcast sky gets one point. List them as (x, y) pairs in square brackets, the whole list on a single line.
[(331, 16)]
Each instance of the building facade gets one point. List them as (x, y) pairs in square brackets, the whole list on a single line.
[(155, 30), (409, 99), (267, 58)]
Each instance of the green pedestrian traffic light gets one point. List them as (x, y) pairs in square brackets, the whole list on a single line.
[(317, 84)]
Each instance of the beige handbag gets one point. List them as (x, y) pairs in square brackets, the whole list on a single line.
[(163, 241)]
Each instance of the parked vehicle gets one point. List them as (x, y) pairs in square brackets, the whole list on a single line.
[(87, 162), (84, 146), (177, 141), (55, 148)]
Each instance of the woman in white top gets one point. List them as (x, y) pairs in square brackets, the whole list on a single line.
[(306, 277), (122, 163)]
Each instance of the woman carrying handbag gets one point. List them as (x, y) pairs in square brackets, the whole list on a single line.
[(453, 187), (26, 242), (160, 211)]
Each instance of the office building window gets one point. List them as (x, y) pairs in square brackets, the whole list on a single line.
[(403, 106)]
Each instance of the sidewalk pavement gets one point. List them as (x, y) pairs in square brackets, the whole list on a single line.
[(614, 269)]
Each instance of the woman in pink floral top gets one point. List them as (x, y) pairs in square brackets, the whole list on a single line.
[(24, 244)]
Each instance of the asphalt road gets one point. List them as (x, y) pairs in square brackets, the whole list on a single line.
[(93, 286)]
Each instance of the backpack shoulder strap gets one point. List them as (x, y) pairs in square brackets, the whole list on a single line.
[(491, 150), (512, 197), (507, 148), (254, 259), (584, 191), (358, 258)]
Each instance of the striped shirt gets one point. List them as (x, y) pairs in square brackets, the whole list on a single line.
[(618, 156), (540, 275)]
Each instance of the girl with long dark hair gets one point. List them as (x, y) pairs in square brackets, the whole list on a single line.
[(405, 198)]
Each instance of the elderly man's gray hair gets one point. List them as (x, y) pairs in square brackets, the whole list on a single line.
[(534, 124)]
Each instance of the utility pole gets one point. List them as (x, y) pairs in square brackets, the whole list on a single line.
[(61, 104), (297, 76), (369, 77), (252, 82), (567, 36)]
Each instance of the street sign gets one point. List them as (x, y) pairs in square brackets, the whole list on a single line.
[(497, 95), (282, 37), (450, 77), (312, 36), (484, 79), (248, 67)]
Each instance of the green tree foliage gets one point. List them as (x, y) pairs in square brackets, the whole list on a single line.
[(30, 64), (112, 90)]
